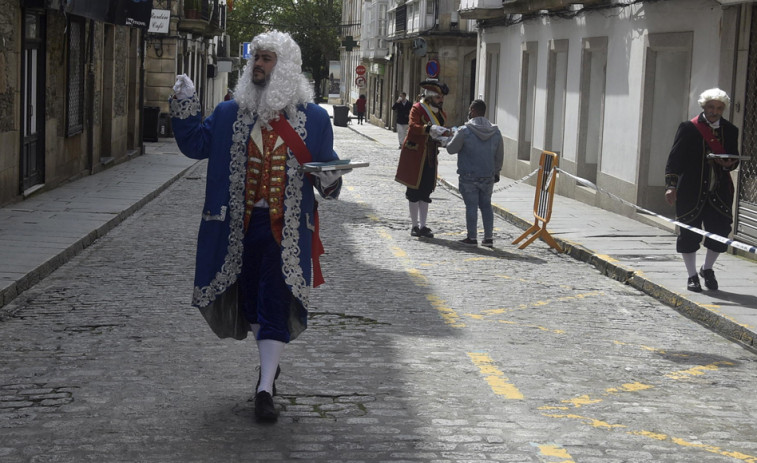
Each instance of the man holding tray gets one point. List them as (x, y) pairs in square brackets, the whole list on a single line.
[(700, 186), (258, 237)]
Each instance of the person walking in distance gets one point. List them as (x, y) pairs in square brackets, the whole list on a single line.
[(258, 244), (700, 186), (360, 104), (402, 106), (480, 153), (418, 158)]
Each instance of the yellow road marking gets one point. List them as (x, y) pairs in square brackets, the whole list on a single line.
[(580, 401), (698, 370), (590, 421), (542, 303), (448, 314), (494, 377), (554, 450)]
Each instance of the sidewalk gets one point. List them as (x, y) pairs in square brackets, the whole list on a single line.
[(42, 233), (627, 250)]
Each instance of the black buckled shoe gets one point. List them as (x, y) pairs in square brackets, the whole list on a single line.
[(278, 372), (468, 242), (709, 278), (415, 231), (693, 284), (264, 408), (426, 232)]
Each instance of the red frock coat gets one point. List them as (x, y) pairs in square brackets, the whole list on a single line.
[(417, 147)]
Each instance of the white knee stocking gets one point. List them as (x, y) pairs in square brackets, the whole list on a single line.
[(423, 212), (270, 352), (690, 260), (414, 213), (709, 259)]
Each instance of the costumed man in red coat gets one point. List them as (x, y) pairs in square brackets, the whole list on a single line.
[(418, 158), (258, 245), (700, 186)]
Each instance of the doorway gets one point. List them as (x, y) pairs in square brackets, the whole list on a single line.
[(32, 164)]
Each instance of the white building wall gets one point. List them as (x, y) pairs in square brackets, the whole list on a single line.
[(626, 30)]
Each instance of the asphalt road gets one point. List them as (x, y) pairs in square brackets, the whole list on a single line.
[(418, 350)]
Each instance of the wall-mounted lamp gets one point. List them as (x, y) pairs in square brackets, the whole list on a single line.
[(158, 47)]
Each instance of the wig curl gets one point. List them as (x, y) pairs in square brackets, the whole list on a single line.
[(714, 94), (287, 86)]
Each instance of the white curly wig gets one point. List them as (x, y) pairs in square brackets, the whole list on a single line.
[(714, 94), (287, 87)]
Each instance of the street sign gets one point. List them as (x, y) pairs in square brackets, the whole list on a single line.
[(360, 70), (432, 68), (246, 50), (360, 81)]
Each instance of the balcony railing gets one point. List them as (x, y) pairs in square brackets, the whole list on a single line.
[(204, 17), (481, 9)]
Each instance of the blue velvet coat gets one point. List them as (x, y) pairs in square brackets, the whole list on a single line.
[(222, 138)]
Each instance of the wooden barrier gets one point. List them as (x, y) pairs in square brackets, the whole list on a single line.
[(545, 193)]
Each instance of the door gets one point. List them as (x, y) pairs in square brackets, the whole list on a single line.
[(33, 104)]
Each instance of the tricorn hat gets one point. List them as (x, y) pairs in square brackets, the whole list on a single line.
[(434, 87)]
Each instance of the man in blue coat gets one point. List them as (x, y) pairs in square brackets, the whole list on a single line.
[(258, 238)]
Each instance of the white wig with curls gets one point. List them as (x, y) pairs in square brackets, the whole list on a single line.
[(714, 94), (287, 87)]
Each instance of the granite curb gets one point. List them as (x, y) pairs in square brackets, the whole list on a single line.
[(610, 268)]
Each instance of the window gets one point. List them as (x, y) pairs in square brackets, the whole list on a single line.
[(591, 113), (75, 83)]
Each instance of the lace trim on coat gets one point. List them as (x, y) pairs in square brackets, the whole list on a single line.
[(185, 108), (232, 264)]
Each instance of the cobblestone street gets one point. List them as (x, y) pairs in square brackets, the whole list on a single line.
[(418, 350)]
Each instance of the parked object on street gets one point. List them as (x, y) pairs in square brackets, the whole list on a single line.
[(700, 186), (258, 237)]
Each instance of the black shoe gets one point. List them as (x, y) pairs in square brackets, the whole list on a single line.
[(469, 242), (415, 231), (488, 242), (264, 409), (693, 284), (709, 278), (426, 232), (278, 372)]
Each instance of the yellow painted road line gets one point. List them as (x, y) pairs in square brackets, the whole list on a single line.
[(554, 452), (746, 458), (494, 377), (543, 303), (698, 370)]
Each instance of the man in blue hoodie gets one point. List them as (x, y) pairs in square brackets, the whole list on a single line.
[(480, 156)]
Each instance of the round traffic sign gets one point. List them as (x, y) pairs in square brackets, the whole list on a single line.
[(432, 68), (360, 70), (360, 81)]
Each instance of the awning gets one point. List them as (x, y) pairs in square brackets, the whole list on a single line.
[(133, 13)]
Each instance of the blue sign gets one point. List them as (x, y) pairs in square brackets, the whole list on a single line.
[(246, 50)]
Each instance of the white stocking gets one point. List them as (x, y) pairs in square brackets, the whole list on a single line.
[(270, 353), (690, 260), (709, 259), (414, 213), (423, 212)]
